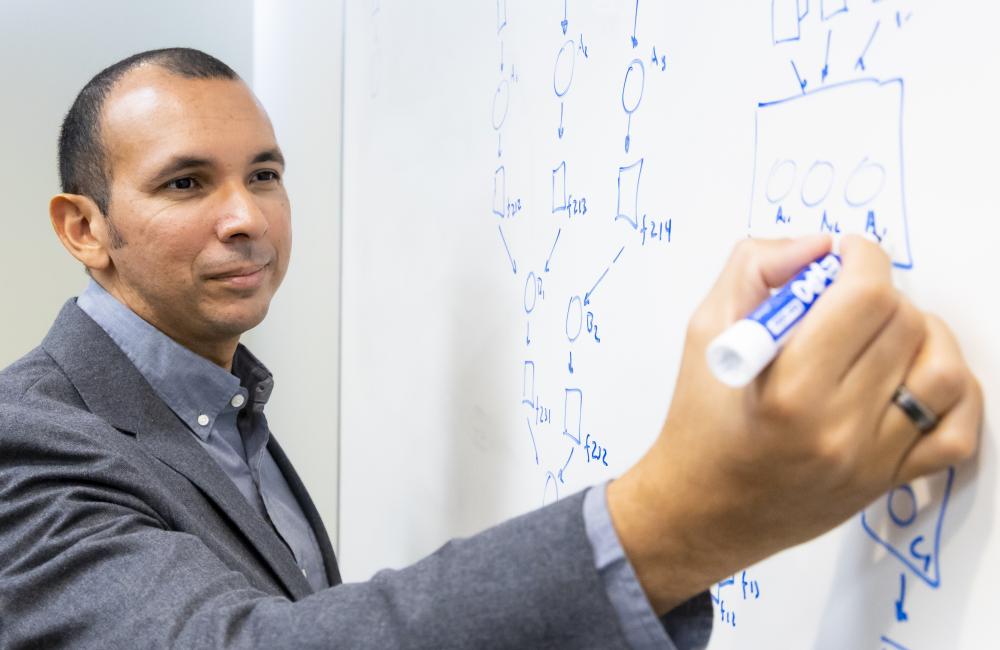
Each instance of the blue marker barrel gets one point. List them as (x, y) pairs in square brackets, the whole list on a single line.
[(738, 355)]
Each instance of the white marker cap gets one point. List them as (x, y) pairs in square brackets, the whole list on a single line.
[(738, 355)]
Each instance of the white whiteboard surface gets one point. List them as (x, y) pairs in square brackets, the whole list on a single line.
[(496, 223)]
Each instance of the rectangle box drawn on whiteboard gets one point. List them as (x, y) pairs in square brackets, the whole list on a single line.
[(832, 160)]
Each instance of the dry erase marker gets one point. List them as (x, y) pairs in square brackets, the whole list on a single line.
[(739, 354)]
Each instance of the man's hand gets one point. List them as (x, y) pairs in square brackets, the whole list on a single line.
[(739, 474)]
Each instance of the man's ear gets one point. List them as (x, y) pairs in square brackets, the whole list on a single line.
[(82, 229)]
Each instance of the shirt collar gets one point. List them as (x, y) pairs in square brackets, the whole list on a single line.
[(194, 388)]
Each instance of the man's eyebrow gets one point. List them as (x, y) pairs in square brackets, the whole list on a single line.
[(271, 155), (179, 163)]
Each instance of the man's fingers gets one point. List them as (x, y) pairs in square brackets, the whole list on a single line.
[(942, 382), (846, 318), (883, 365), (754, 268)]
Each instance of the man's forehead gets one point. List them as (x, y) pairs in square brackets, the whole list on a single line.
[(151, 107)]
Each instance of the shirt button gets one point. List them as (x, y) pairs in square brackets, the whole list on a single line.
[(238, 400), (203, 420), (304, 575)]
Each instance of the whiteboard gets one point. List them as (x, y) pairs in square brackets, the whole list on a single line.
[(537, 195)]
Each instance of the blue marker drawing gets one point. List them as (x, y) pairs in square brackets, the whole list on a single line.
[(892, 644), (786, 20), (830, 8), (565, 21), (513, 264), (628, 193), (911, 548), (533, 445), (817, 183), (571, 362), (565, 465), (632, 93), (860, 65), (861, 172), (527, 336), (559, 200), (573, 414), (501, 15), (562, 75), (620, 251), (826, 59), (586, 298), (552, 252), (802, 82), (551, 492), (561, 130), (635, 24), (901, 614), (500, 192), (528, 384), (574, 318)]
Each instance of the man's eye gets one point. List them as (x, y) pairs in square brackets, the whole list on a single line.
[(186, 183), (265, 176)]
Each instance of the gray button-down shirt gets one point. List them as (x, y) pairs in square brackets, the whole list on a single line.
[(224, 411)]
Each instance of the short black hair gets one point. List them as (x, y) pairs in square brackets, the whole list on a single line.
[(83, 161)]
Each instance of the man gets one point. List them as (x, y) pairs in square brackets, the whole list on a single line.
[(144, 502)]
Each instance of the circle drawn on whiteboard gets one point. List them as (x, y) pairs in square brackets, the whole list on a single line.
[(551, 492), (781, 180), (634, 86), (865, 183), (530, 293), (817, 183), (574, 318), (902, 506), (562, 76), (501, 102)]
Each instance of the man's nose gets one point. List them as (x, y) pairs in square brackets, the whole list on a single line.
[(239, 214)]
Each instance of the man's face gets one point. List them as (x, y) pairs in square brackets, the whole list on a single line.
[(197, 195)]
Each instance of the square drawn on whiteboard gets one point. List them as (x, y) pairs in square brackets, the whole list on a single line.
[(832, 161), (500, 192), (628, 193), (573, 414), (786, 19), (528, 384), (559, 201)]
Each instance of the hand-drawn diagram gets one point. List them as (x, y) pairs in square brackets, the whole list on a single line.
[(583, 325), (810, 177), (908, 525)]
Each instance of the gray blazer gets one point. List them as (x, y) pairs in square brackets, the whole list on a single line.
[(118, 531)]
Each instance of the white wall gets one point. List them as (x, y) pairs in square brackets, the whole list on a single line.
[(298, 53)]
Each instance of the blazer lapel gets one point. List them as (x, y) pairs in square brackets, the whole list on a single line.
[(308, 508), (114, 390)]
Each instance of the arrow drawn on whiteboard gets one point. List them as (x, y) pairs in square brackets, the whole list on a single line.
[(586, 297), (533, 445), (527, 337), (513, 264), (826, 61), (571, 362), (860, 65), (551, 252), (802, 82), (635, 24), (900, 612), (561, 480), (565, 21)]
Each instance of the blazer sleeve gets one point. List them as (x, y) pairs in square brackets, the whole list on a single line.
[(87, 561)]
